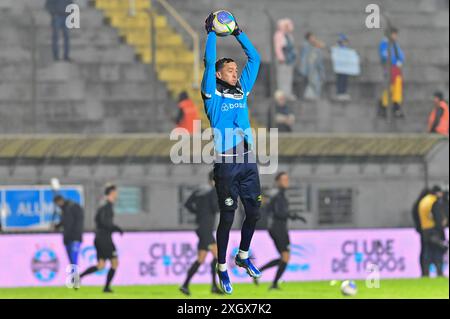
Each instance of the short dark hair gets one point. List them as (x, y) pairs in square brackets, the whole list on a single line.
[(183, 96), (439, 95), (58, 198), (394, 30), (110, 188), (221, 63), (436, 189), (279, 175)]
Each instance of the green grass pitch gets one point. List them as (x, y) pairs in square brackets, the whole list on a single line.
[(389, 289)]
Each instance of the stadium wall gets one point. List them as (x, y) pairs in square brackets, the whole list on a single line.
[(381, 194)]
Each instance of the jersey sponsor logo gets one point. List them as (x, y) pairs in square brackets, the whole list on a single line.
[(233, 95), (238, 96), (230, 106)]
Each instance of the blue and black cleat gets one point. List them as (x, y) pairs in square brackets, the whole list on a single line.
[(224, 281), (251, 269)]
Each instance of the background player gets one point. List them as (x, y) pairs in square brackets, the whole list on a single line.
[(72, 222), (103, 238), (203, 203), (278, 207), (225, 101)]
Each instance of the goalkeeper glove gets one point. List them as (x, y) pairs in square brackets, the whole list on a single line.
[(209, 23), (237, 31), (300, 218)]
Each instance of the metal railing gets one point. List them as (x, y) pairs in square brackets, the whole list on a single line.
[(132, 8), (33, 78), (190, 31)]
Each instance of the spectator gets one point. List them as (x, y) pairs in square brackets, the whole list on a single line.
[(396, 77), (438, 119), (281, 115), (345, 63), (286, 56), (187, 113), (57, 10), (312, 67)]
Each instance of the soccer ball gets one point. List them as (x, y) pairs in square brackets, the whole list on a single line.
[(348, 288), (223, 23)]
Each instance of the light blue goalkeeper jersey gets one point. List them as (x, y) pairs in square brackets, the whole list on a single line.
[(226, 106)]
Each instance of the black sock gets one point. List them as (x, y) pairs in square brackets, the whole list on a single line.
[(110, 276), (281, 268), (213, 272), (88, 271), (223, 234), (270, 264), (191, 272)]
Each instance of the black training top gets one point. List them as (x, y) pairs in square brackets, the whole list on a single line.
[(204, 204), (72, 221), (104, 220), (278, 207)]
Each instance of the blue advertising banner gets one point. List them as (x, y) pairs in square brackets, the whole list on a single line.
[(31, 207)]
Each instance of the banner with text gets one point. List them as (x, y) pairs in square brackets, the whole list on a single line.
[(164, 257)]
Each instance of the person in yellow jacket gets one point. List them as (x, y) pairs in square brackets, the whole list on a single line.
[(430, 222)]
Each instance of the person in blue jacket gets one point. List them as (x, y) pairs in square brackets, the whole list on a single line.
[(235, 169)]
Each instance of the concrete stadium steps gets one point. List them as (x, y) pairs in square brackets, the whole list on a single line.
[(398, 6), (434, 56), (369, 90), (173, 57), (354, 116), (325, 116), (424, 36), (109, 79), (104, 89), (107, 72)]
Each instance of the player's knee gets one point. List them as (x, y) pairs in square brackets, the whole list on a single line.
[(201, 259), (253, 214), (227, 217), (101, 266), (115, 265)]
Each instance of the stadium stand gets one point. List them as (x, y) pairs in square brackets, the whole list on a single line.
[(104, 90), (424, 33), (112, 87)]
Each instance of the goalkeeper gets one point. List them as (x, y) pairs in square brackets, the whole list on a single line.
[(235, 169)]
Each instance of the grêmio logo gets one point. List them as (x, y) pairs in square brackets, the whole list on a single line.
[(230, 106), (357, 255)]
